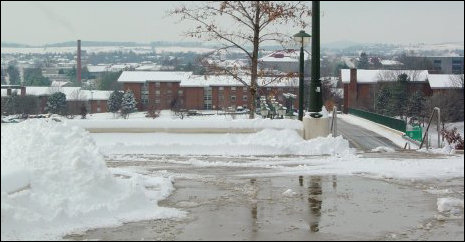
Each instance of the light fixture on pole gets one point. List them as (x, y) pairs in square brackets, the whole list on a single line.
[(302, 38)]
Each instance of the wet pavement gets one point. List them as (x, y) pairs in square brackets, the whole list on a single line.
[(224, 203)]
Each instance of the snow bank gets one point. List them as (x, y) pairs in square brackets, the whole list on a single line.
[(265, 142), (189, 123), (54, 181)]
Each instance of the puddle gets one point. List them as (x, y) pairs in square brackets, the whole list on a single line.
[(319, 208)]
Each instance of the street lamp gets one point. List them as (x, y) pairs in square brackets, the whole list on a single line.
[(302, 38)]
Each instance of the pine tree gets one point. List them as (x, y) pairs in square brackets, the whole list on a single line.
[(13, 75), (363, 63), (57, 103), (114, 102), (382, 101), (399, 96), (416, 107), (128, 104)]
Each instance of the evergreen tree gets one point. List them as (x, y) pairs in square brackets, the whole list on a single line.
[(382, 101), (399, 96), (13, 74), (57, 103), (416, 107), (34, 77), (363, 62), (114, 102), (128, 104)]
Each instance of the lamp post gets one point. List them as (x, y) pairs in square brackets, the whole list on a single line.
[(316, 100), (302, 38)]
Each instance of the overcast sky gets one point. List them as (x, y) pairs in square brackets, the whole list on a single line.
[(39, 23)]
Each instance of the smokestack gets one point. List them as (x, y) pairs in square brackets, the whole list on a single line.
[(78, 61)]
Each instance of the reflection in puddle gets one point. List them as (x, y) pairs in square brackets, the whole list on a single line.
[(315, 202)]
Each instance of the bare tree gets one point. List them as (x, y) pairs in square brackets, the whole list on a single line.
[(252, 24)]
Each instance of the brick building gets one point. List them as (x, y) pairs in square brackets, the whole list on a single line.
[(95, 101), (161, 90), (362, 86)]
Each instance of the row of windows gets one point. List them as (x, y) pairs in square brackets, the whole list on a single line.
[(233, 98)]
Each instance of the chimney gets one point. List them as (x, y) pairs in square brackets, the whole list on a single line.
[(23, 91), (78, 71)]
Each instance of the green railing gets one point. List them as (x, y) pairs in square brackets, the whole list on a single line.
[(393, 123)]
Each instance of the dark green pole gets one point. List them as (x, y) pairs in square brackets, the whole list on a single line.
[(315, 85), (301, 83)]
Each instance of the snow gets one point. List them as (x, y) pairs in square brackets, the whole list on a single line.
[(449, 204), (155, 76), (54, 181), (391, 134), (265, 142), (374, 76), (289, 193), (187, 79), (383, 149), (443, 81), (202, 122)]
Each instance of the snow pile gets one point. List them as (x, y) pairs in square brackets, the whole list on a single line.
[(383, 149), (55, 181), (265, 142), (449, 204), (446, 150)]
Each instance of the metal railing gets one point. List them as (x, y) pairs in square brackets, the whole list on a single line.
[(438, 126), (334, 122)]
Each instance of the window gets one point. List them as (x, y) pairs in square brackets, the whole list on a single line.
[(221, 98), (157, 92), (233, 89), (244, 98), (221, 88), (180, 92), (268, 88), (169, 84), (437, 61), (157, 101), (98, 109), (169, 92), (233, 98), (157, 84), (244, 89)]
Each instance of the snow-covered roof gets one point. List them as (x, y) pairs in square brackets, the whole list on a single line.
[(152, 76), (59, 83), (374, 76), (72, 93), (445, 81), (391, 63), (289, 55), (96, 69), (224, 80)]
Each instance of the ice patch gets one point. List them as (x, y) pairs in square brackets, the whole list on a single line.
[(55, 181)]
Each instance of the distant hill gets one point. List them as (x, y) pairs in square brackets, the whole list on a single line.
[(14, 45), (85, 43)]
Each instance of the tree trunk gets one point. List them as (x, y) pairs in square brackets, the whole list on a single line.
[(253, 78)]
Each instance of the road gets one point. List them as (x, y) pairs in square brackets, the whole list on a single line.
[(362, 139)]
